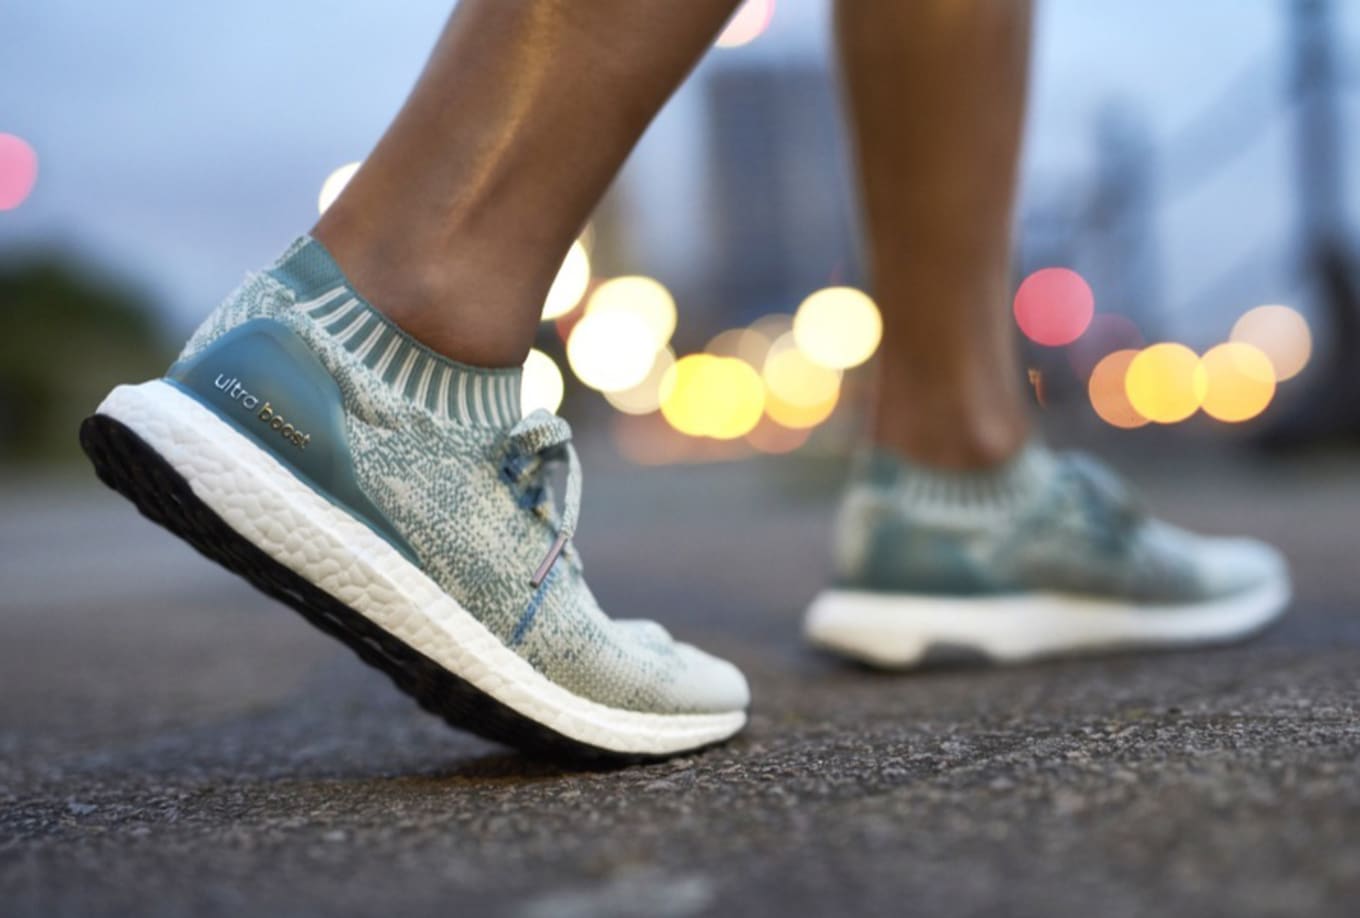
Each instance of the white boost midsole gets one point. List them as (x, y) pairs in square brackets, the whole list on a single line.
[(265, 503), (897, 629)]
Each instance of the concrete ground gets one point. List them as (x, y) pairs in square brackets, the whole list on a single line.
[(172, 743)]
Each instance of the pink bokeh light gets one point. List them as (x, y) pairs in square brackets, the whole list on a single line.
[(1053, 306), (18, 170)]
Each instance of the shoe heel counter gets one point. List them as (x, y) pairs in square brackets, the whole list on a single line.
[(880, 548), (264, 380)]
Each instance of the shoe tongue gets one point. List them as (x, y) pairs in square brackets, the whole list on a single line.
[(1099, 478)]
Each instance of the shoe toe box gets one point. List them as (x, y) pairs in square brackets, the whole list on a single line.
[(709, 684), (1231, 566)]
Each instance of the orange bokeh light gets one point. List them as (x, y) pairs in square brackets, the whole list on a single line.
[(1108, 395)]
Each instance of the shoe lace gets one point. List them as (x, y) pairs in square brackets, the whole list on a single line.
[(1106, 502), (535, 443)]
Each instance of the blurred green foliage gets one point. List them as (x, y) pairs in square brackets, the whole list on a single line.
[(68, 337)]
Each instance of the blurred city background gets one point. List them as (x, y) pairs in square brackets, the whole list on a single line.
[(1185, 290), (1183, 259)]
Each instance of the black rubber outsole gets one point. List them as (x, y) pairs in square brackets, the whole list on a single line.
[(126, 463)]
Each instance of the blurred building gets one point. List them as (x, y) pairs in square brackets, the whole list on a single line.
[(778, 216)]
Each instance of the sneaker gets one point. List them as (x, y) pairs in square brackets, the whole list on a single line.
[(1050, 555), (399, 501)]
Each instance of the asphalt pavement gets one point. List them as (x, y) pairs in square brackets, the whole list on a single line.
[(173, 743)]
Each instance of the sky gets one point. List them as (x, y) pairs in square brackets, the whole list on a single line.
[(183, 144)]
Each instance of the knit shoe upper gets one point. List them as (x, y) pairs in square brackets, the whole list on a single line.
[(1051, 523), (452, 475)]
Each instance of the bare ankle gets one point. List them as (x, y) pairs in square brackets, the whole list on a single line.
[(483, 317), (954, 443)]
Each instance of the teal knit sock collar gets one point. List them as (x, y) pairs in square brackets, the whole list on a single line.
[(997, 491), (488, 397)]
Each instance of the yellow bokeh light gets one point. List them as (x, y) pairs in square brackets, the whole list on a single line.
[(708, 396), (747, 24), (334, 184), (541, 385), (587, 238), (645, 397), (740, 400), (838, 327), (1109, 396), (570, 284), (1239, 381), (795, 379), (1165, 383), (641, 296), (1281, 334), (610, 351), (799, 417), (684, 398)]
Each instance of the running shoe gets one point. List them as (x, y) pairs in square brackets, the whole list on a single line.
[(1051, 555), (401, 503)]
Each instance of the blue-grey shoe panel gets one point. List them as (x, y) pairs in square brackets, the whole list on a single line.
[(1080, 532), (263, 380)]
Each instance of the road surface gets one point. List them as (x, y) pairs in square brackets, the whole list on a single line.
[(172, 743)]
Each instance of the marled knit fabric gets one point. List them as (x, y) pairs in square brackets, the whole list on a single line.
[(1042, 522), (430, 446)]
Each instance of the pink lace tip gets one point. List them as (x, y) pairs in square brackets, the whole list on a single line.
[(554, 553)]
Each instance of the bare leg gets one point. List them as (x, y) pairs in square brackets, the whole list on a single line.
[(457, 222), (936, 94)]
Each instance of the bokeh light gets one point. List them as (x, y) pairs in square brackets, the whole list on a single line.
[(739, 400), (587, 238), (708, 396), (775, 439), (334, 184), (800, 393), (1107, 391), (838, 327), (1107, 333), (1165, 382), (645, 397), (1281, 334), (773, 326), (800, 417), (1239, 381), (541, 385), (570, 284), (795, 378), (611, 350), (750, 20), (641, 296), (18, 171), (1053, 306), (743, 343)]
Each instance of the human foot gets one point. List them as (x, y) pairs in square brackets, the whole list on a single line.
[(1046, 555), (398, 501)]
